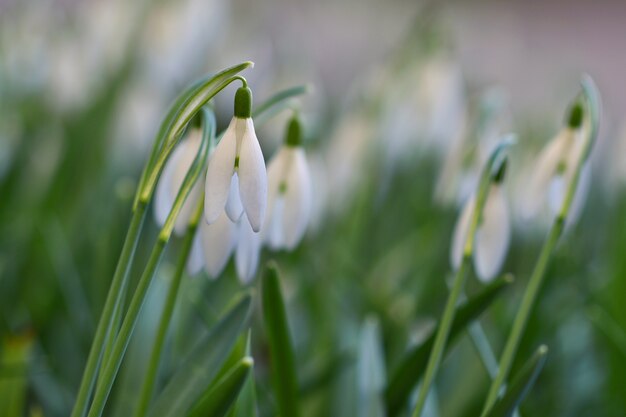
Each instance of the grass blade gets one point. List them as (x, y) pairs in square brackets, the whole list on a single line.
[(220, 397), (204, 362), (410, 370), (521, 385), (284, 377)]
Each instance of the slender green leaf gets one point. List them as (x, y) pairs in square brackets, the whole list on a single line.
[(284, 377), (410, 370), (521, 385), (220, 397), (245, 406), (202, 365)]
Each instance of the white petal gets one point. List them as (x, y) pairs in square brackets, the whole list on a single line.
[(276, 174), (219, 174), (252, 178), (163, 199), (460, 233), (556, 193), (277, 171), (172, 179), (297, 200), (234, 208), (274, 233), (493, 236), (218, 241), (248, 251), (195, 261), (544, 172), (191, 148)]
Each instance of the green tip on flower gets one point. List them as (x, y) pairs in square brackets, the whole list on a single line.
[(293, 135), (243, 103), (500, 173), (575, 118)]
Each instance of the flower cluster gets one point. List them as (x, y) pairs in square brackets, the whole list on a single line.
[(554, 171), (246, 206)]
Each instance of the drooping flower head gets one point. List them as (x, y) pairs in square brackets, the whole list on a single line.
[(290, 192), (556, 167), (236, 177), (492, 235)]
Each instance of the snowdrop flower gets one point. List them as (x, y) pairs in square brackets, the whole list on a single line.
[(555, 169), (248, 251), (290, 192), (492, 235), (217, 242), (236, 170), (171, 180)]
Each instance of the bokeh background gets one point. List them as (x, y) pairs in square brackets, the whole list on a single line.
[(407, 98)]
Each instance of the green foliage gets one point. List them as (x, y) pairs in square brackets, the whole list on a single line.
[(284, 375)]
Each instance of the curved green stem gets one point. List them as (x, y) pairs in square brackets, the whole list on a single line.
[(492, 166), (113, 299), (528, 301), (593, 109), (442, 335)]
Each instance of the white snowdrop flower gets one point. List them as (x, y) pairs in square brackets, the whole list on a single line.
[(289, 193), (492, 235), (195, 261), (218, 241), (555, 169), (172, 179), (236, 170), (248, 251)]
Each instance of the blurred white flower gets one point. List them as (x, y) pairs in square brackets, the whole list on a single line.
[(195, 262), (492, 235), (218, 242), (171, 180), (236, 171), (555, 169), (248, 251), (289, 194)]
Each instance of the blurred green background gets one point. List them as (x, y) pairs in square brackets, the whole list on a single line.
[(398, 87)]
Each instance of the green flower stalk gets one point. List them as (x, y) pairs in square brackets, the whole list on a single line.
[(591, 100), (193, 224), (185, 107), (111, 367), (147, 387), (491, 168)]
